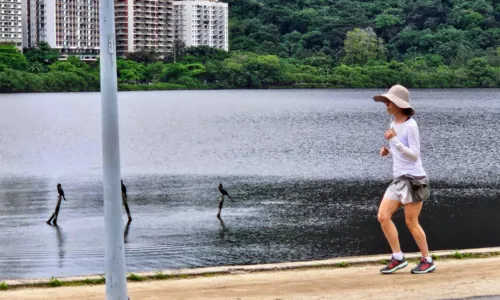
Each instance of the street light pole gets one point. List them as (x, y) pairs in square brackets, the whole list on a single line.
[(116, 277)]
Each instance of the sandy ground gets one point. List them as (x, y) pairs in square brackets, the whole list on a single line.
[(453, 279)]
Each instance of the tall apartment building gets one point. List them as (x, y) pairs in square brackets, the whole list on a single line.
[(30, 23), (11, 22), (202, 22), (144, 25), (72, 26)]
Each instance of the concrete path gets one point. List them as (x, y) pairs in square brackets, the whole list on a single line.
[(453, 279)]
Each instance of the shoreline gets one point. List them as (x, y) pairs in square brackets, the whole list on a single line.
[(169, 274), (138, 88)]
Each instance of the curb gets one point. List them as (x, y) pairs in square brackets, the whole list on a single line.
[(227, 270)]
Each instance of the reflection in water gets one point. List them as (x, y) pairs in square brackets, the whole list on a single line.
[(223, 230), (60, 244), (125, 233)]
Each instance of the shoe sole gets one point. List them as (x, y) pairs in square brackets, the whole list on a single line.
[(399, 267), (431, 269)]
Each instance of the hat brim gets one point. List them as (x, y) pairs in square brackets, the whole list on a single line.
[(396, 100)]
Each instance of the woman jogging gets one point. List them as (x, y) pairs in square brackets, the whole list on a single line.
[(409, 187)]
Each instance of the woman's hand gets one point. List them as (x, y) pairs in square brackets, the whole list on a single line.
[(384, 151), (390, 133)]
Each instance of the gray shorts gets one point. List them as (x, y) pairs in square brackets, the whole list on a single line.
[(398, 191)]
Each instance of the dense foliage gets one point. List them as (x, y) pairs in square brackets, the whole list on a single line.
[(457, 30), (300, 43)]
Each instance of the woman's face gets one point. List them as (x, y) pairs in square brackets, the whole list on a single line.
[(391, 107)]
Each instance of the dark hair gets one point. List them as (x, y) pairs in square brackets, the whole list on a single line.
[(407, 112)]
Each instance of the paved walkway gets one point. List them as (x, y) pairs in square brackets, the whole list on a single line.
[(453, 279)]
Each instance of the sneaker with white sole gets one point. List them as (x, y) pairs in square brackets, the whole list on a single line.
[(424, 267), (394, 265)]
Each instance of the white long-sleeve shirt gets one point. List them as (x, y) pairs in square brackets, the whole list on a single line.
[(405, 149)]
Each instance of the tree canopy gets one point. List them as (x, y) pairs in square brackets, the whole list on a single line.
[(299, 43)]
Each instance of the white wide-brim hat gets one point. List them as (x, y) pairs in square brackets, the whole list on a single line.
[(398, 95)]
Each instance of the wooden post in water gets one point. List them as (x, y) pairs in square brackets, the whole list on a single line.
[(116, 277), (221, 203)]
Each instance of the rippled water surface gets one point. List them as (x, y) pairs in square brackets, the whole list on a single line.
[(302, 167)]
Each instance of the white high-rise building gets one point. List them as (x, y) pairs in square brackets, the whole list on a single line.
[(71, 26), (144, 25), (11, 22), (202, 22)]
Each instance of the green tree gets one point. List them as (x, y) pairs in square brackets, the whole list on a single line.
[(177, 53), (466, 18), (43, 54), (35, 68), (362, 45), (205, 53), (385, 20), (129, 71), (480, 73), (173, 72), (262, 70), (11, 57), (143, 56), (153, 72), (63, 66), (75, 61), (291, 45)]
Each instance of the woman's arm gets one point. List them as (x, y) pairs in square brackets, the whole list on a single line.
[(413, 151)]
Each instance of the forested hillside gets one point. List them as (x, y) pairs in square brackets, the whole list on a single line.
[(300, 43), (457, 30)]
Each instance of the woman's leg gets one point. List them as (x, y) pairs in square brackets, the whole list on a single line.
[(412, 211), (385, 212)]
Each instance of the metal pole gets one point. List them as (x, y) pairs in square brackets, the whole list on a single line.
[(116, 277)]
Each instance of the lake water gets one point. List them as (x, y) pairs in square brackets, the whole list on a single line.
[(302, 166)]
